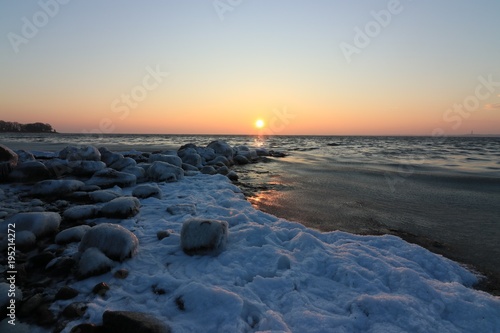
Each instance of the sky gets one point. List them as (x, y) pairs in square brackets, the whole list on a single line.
[(318, 67)]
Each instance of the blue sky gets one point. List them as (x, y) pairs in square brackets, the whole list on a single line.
[(227, 68)]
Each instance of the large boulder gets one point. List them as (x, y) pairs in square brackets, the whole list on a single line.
[(163, 171), (109, 177), (113, 240), (56, 187), (84, 153), (222, 148), (199, 236), (108, 156), (73, 234), (123, 163), (132, 322), (171, 159), (8, 161)]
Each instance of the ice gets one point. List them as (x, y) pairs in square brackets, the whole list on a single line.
[(276, 275)]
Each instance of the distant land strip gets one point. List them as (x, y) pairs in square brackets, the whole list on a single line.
[(8, 126)]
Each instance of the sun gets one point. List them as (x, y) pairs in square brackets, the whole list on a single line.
[(259, 123)]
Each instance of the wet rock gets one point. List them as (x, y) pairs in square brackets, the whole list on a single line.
[(204, 236), (241, 160), (113, 240), (123, 207), (66, 293), (108, 177), (220, 161), (133, 322), (232, 176)]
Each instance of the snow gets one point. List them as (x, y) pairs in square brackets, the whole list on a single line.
[(275, 275)]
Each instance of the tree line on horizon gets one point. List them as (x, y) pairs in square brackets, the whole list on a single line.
[(8, 126)]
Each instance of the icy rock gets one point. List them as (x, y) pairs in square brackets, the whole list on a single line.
[(86, 168), (182, 209), (122, 207), (73, 234), (39, 223), (109, 157), (232, 176), (203, 236), (220, 160), (100, 289), (93, 262), (58, 167), (25, 239), (56, 187), (123, 163), (24, 156), (222, 148), (190, 168), (241, 160), (208, 170), (132, 322), (207, 154), (262, 152), (113, 240), (163, 171), (29, 171), (81, 212), (138, 172), (103, 195), (8, 161), (170, 159), (109, 177), (146, 191), (85, 153)]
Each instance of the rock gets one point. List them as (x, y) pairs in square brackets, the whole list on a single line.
[(146, 191), (113, 240), (223, 170), (121, 274), (75, 310), (71, 235), (123, 163), (133, 322), (162, 234), (100, 289), (45, 317), (276, 153), (103, 195), (86, 168), (66, 293), (39, 223), (84, 153), (8, 161), (122, 208), (204, 236), (81, 212), (170, 159), (55, 187), (61, 266), (232, 176), (220, 161), (30, 305), (241, 160), (25, 240), (109, 157), (208, 170), (182, 209), (24, 156), (193, 159), (207, 154), (163, 171), (58, 167), (190, 168), (29, 171), (262, 152), (40, 261), (222, 148), (87, 328), (93, 262), (138, 172), (107, 177)]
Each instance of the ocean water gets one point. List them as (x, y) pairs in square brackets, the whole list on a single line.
[(445, 190)]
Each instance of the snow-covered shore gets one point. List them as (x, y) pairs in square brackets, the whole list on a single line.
[(273, 275)]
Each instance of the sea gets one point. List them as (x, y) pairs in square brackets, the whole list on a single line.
[(439, 192)]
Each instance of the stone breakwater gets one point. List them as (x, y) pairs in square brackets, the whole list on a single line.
[(54, 200)]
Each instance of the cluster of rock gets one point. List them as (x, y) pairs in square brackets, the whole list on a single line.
[(83, 183)]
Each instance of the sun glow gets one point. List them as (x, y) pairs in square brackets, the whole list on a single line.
[(259, 123)]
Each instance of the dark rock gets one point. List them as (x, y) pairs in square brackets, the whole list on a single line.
[(88, 328), (146, 191), (29, 171), (240, 159), (121, 274), (62, 267), (208, 170), (133, 322), (199, 236), (123, 163), (100, 289), (45, 317), (39, 261), (30, 305), (75, 310), (66, 293), (232, 176), (8, 161), (162, 234), (222, 148)]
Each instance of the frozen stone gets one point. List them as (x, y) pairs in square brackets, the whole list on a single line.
[(123, 163), (122, 207), (204, 236), (56, 187), (146, 191), (87, 153), (93, 262), (222, 148), (109, 177), (39, 223), (29, 171), (85, 168), (113, 240), (162, 171), (103, 195), (81, 212), (171, 159), (70, 235), (109, 157)]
